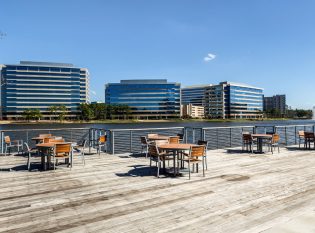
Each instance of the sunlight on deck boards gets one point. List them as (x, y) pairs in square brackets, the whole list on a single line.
[(241, 192)]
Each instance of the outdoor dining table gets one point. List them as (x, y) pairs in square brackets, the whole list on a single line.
[(45, 148), (176, 148), (39, 139), (158, 137), (260, 139)]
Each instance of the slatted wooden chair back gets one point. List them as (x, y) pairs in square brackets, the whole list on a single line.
[(45, 135), (309, 135), (144, 140), (275, 138), (203, 143), (173, 140), (153, 135), (7, 139), (62, 149), (196, 151), (102, 139), (181, 136), (153, 150), (247, 138)]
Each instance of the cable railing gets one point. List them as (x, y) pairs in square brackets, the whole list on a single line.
[(128, 140)]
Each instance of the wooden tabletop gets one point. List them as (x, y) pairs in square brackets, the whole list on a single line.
[(50, 144), (41, 138), (262, 135), (159, 137), (176, 146)]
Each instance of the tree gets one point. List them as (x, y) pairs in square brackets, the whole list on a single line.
[(62, 111), (86, 111), (27, 114), (32, 114), (52, 111)]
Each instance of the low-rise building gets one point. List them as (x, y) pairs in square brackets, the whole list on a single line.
[(192, 111), (275, 103)]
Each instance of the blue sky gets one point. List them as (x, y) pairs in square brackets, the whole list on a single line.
[(265, 43)]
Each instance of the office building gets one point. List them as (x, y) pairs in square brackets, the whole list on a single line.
[(276, 103), (233, 100), (147, 98), (192, 111), (39, 85), (194, 95)]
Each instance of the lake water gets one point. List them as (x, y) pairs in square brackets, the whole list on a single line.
[(154, 124)]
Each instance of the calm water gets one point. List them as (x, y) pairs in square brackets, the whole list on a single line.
[(154, 125)]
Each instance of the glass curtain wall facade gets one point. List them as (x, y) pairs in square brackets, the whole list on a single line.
[(39, 85), (148, 98), (194, 95), (232, 100)]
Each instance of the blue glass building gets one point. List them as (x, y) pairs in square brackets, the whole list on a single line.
[(194, 95), (147, 98), (39, 85), (234, 100)]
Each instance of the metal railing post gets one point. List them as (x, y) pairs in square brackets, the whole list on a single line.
[(217, 138), (2, 139), (193, 139), (130, 141), (286, 136), (113, 142), (230, 137), (295, 132)]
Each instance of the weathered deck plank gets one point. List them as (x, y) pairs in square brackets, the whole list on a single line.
[(240, 193)]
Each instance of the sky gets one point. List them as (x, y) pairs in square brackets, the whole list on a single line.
[(264, 43)]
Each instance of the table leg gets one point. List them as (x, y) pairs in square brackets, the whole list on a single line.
[(174, 161), (259, 145)]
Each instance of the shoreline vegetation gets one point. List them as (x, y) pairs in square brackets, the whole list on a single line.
[(117, 121)]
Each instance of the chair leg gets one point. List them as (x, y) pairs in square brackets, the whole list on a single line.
[(158, 168), (29, 162), (203, 166), (206, 162), (5, 151), (189, 167)]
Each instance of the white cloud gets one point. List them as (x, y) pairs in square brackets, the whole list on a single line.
[(93, 92), (209, 57)]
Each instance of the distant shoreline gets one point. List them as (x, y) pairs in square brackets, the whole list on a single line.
[(143, 121)]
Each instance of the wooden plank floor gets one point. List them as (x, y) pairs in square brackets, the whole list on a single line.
[(119, 193)]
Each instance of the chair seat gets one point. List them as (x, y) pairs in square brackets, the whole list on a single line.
[(192, 160)]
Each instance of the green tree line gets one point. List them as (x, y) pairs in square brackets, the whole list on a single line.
[(55, 112), (290, 113), (102, 111)]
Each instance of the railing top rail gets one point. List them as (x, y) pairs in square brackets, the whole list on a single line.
[(17, 130), (114, 130), (227, 127), (294, 125)]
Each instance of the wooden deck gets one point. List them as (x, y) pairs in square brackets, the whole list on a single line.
[(119, 193)]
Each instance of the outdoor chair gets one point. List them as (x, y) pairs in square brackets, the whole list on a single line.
[(62, 151), (79, 150), (30, 151), (309, 138), (158, 157), (274, 142), (301, 138), (173, 140), (247, 142), (196, 155), (12, 144), (144, 145), (204, 143), (101, 142), (181, 137)]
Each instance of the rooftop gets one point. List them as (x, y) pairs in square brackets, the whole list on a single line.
[(241, 192)]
